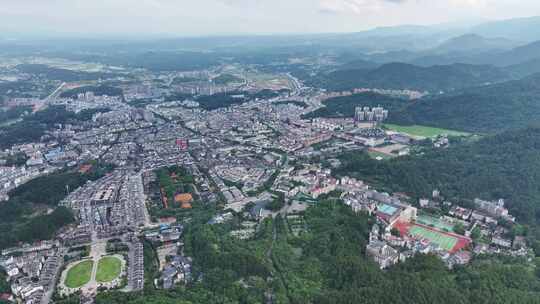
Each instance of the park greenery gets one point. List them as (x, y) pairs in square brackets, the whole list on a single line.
[(109, 268), (79, 274), (173, 180)]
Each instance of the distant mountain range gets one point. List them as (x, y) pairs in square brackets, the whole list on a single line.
[(474, 43), (519, 29)]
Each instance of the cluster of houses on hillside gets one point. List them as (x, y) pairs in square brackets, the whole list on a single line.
[(31, 271), (401, 232)]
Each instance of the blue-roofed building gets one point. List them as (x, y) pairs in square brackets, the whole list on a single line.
[(391, 213)]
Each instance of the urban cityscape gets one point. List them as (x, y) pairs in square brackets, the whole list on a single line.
[(272, 169)]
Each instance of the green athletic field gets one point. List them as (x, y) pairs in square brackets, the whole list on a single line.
[(424, 131), (434, 222), (109, 268), (446, 242), (79, 274)]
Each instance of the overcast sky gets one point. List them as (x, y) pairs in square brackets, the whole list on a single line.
[(210, 17)]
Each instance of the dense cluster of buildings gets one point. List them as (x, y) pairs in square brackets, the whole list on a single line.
[(375, 114), (244, 156), (32, 271), (177, 270), (402, 230)]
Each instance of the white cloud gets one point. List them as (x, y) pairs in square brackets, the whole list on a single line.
[(469, 3), (244, 16), (356, 6)]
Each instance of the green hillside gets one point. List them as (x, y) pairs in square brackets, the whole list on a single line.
[(489, 109), (502, 166), (407, 76), (344, 106)]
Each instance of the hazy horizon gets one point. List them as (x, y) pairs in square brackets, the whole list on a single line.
[(244, 17)]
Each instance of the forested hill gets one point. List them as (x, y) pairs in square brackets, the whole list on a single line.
[(505, 166), (489, 109), (61, 74), (407, 76), (325, 265), (344, 106)]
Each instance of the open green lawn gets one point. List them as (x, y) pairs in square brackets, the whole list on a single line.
[(431, 221), (424, 131), (109, 268), (79, 274), (384, 156), (446, 242)]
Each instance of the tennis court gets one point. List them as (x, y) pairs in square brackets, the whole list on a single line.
[(444, 241), (387, 209)]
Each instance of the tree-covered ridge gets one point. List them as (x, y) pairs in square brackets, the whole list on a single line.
[(489, 109), (407, 76), (24, 217), (340, 107), (32, 127), (486, 109), (51, 189), (97, 90), (13, 113), (60, 74), (292, 102), (224, 100), (327, 264), (225, 79)]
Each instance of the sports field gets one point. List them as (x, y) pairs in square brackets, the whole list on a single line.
[(424, 131), (79, 274), (109, 268), (444, 241), (435, 222)]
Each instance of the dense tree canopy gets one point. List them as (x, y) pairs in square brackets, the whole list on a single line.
[(340, 107), (34, 126), (488, 109), (32, 212), (503, 166), (327, 264), (60, 74), (407, 76), (97, 90)]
